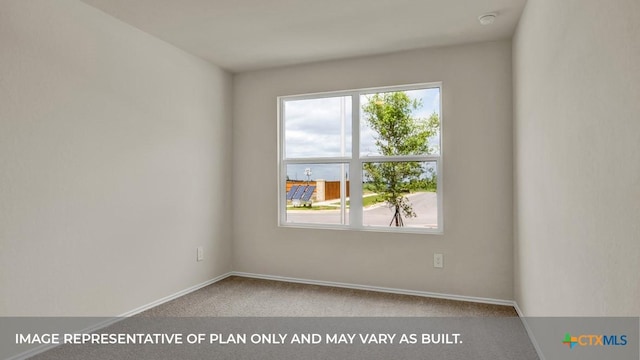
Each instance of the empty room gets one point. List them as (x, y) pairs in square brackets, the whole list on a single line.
[(412, 179)]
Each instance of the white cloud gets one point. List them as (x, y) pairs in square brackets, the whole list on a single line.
[(313, 126)]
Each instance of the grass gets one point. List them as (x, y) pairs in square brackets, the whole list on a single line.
[(369, 200), (366, 201)]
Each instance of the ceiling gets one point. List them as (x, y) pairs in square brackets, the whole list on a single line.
[(242, 35)]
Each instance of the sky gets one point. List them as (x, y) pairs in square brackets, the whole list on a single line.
[(314, 128)]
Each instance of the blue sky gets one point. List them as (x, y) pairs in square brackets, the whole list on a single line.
[(313, 129)]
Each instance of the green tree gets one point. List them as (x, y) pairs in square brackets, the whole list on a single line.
[(390, 115)]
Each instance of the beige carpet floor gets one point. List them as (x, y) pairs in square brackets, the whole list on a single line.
[(239, 296), (271, 309)]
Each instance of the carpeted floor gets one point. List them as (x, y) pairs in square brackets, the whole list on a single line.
[(337, 323), (239, 296)]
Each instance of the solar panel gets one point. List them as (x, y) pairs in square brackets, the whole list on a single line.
[(298, 194), (292, 191), (308, 192)]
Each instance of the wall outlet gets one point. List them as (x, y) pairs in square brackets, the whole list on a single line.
[(200, 252), (438, 260)]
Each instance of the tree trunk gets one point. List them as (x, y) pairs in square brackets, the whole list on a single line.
[(397, 217)]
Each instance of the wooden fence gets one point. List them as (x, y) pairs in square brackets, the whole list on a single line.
[(325, 190), (332, 190)]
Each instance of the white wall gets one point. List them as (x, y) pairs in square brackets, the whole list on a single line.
[(477, 114), (114, 158), (577, 162)]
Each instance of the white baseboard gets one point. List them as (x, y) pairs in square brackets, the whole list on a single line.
[(532, 338), (405, 292), (186, 291), (110, 321), (175, 296), (377, 289)]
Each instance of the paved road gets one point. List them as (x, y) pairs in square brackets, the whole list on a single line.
[(424, 205)]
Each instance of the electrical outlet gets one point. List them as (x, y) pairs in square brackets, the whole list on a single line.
[(438, 260), (200, 254)]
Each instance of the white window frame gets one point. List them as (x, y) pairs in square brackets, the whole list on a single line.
[(355, 162)]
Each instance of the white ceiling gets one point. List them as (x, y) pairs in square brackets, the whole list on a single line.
[(241, 35)]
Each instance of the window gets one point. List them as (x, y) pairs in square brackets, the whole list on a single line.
[(363, 159)]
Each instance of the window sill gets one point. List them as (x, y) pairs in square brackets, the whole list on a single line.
[(378, 229)]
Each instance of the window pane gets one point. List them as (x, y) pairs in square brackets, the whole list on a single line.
[(315, 193), (400, 194), (317, 127), (400, 123)]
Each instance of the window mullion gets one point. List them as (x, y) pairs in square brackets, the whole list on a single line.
[(355, 178), (308, 145), (335, 160), (401, 158), (282, 178)]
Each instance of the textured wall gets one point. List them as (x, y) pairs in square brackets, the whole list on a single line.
[(577, 162), (114, 163), (477, 241)]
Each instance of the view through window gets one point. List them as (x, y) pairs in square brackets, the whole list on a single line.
[(389, 182)]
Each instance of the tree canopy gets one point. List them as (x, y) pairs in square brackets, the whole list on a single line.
[(398, 132)]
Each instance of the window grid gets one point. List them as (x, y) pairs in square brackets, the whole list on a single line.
[(356, 162)]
